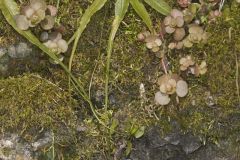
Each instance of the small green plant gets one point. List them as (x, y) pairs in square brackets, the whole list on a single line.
[(9, 9), (121, 7)]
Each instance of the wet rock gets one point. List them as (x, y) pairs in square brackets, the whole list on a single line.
[(13, 147), (154, 138), (153, 147), (210, 152), (12, 51), (190, 143), (20, 50), (42, 142), (167, 152), (173, 138)]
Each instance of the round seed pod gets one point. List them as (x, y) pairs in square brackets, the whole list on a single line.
[(179, 21), (176, 13), (37, 17), (179, 34), (38, 4), (187, 43), (51, 10), (60, 57), (141, 37), (179, 45), (158, 42), (21, 22), (52, 46), (62, 45), (44, 37), (161, 99), (48, 22), (167, 20), (60, 28), (172, 45), (27, 11), (169, 29), (182, 88), (55, 36)]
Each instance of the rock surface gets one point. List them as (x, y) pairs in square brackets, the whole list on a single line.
[(179, 146)]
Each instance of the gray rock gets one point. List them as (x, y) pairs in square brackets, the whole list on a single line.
[(173, 138), (190, 143), (167, 152), (44, 37), (12, 147), (42, 142), (22, 50), (154, 138), (210, 152), (12, 51)]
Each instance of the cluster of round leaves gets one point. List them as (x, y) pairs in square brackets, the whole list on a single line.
[(38, 12), (170, 84), (54, 41), (188, 64), (33, 14), (175, 24), (185, 25), (187, 28), (153, 42)]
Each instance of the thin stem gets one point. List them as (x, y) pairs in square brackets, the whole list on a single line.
[(237, 78), (164, 66)]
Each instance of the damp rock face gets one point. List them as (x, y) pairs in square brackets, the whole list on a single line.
[(178, 146), (20, 50), (190, 143), (11, 147)]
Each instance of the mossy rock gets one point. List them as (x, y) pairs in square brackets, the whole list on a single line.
[(30, 103)]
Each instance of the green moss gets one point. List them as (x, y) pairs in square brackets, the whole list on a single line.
[(31, 103)]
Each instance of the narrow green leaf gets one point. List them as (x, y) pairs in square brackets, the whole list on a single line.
[(95, 6), (129, 148), (114, 125), (142, 12), (140, 132), (121, 7), (159, 5)]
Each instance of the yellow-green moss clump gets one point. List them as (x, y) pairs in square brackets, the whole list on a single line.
[(30, 103), (213, 98)]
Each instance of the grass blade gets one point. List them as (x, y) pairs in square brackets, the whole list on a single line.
[(159, 5), (121, 7), (142, 12), (95, 6)]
